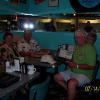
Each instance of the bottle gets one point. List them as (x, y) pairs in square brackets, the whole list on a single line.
[(63, 46), (17, 64), (59, 47), (7, 63)]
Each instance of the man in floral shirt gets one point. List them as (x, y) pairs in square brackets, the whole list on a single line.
[(27, 44)]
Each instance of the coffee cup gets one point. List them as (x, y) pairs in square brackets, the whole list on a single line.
[(31, 69), (21, 59)]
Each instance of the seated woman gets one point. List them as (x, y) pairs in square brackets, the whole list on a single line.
[(8, 49)]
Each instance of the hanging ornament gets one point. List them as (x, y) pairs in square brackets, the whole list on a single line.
[(38, 1)]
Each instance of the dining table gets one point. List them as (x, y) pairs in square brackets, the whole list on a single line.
[(23, 79)]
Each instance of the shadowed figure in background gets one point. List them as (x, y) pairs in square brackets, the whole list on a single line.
[(91, 37), (88, 28)]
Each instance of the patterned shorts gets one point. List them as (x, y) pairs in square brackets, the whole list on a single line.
[(82, 79)]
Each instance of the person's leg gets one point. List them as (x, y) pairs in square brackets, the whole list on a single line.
[(60, 80), (76, 80), (72, 84)]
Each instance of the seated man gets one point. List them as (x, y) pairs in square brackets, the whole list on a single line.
[(28, 46), (80, 67)]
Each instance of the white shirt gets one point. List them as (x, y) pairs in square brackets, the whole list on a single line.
[(32, 45)]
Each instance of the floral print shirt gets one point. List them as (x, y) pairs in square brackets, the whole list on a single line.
[(32, 45)]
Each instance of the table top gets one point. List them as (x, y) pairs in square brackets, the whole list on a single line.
[(36, 61), (24, 78)]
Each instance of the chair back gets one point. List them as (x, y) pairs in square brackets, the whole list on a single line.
[(96, 68), (38, 92)]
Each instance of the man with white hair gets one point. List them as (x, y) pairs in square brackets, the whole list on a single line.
[(27, 44), (80, 68)]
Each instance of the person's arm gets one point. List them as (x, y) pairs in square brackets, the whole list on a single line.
[(21, 48), (43, 52), (72, 64), (85, 66), (34, 45)]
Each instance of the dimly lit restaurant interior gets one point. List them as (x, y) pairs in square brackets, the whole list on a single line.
[(49, 49)]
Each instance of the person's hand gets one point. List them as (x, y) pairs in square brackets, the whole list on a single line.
[(25, 54), (44, 51), (22, 53), (71, 64)]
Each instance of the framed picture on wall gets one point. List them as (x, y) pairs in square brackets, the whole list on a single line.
[(53, 3), (23, 1), (38, 1)]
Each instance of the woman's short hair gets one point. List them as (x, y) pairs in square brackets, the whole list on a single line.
[(7, 34)]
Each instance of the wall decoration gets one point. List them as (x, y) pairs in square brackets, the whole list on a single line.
[(89, 3), (53, 3), (38, 1), (85, 5), (14, 2), (23, 1)]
